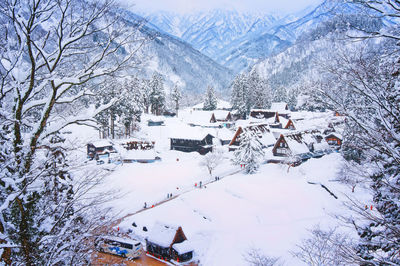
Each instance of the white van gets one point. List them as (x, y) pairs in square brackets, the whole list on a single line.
[(123, 247)]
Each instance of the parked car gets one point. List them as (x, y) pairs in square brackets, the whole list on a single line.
[(305, 156), (318, 154)]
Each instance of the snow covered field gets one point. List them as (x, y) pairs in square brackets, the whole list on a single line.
[(270, 211)]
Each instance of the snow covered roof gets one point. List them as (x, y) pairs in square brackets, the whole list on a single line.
[(183, 247), (296, 147), (220, 114), (197, 117), (162, 235), (222, 133), (188, 132), (221, 105), (335, 134), (267, 139), (101, 143), (138, 154), (279, 107)]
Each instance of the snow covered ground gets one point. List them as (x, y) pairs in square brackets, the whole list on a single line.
[(270, 211)]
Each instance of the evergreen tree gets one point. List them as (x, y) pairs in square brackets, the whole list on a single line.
[(176, 96), (157, 94), (210, 100), (259, 91), (146, 93), (240, 96), (250, 152)]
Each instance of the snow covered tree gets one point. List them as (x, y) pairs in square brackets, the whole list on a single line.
[(176, 96), (240, 96), (131, 104), (157, 94), (51, 57), (250, 152), (362, 83), (210, 99), (146, 93), (259, 91), (212, 159)]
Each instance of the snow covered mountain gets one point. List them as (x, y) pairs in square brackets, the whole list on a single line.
[(317, 38), (234, 39), (178, 62), (238, 40)]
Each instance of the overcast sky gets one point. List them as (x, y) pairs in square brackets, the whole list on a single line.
[(186, 6)]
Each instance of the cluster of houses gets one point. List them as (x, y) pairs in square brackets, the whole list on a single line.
[(289, 134), (126, 151)]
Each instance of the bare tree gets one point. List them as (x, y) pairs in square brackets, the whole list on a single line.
[(51, 60), (212, 159), (325, 248), (256, 258)]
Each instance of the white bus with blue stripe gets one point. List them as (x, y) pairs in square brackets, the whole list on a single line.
[(123, 247)]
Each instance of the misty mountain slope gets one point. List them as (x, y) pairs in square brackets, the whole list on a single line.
[(300, 62), (178, 62), (220, 33)]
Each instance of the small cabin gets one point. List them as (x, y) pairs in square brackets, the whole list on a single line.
[(261, 130), (97, 148), (182, 252), (167, 242), (289, 145), (200, 142), (334, 139)]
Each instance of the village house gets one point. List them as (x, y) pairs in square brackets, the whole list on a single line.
[(99, 148), (168, 242), (281, 108), (265, 116), (290, 145), (334, 139), (190, 139), (261, 130)]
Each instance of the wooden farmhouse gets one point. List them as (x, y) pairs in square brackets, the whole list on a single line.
[(101, 147), (281, 108), (290, 145), (168, 242), (267, 116), (334, 140), (221, 116), (192, 140), (287, 123), (261, 130)]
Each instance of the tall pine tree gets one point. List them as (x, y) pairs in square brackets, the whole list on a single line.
[(210, 99), (157, 94)]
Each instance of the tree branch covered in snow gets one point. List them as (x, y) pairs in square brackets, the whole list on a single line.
[(54, 56)]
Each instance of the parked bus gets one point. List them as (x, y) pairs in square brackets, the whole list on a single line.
[(123, 247)]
